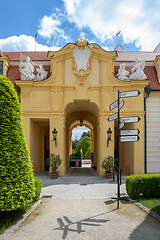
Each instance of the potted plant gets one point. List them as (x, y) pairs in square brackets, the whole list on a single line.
[(108, 164), (54, 162)]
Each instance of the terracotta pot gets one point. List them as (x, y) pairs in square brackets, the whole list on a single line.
[(54, 175), (109, 175)]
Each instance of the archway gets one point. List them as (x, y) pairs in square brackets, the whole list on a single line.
[(81, 147), (89, 115)]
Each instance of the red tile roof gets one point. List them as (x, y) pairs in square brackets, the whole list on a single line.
[(125, 56), (34, 56)]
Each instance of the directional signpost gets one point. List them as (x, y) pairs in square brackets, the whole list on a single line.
[(121, 125), (134, 93), (130, 119), (113, 117), (130, 135), (115, 104), (129, 138), (130, 132)]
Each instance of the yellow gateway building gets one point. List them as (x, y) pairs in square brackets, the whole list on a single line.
[(81, 82)]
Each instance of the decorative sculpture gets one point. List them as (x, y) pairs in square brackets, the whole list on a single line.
[(81, 42), (137, 70), (41, 75), (27, 69), (122, 73)]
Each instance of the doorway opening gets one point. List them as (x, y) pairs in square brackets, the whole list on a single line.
[(82, 116), (39, 144), (81, 155)]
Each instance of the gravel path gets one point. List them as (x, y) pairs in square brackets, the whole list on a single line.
[(80, 184)]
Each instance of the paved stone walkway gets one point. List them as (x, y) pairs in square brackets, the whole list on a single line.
[(81, 208), (80, 184)]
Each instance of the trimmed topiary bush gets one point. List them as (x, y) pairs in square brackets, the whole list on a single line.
[(38, 186), (144, 185), (16, 175)]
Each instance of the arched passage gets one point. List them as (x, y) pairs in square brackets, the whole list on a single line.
[(89, 114)]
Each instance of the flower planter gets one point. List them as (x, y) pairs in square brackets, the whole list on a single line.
[(109, 175), (54, 175)]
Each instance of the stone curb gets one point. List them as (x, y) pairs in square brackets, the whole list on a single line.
[(147, 210), (19, 222)]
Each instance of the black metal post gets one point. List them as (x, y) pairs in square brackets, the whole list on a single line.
[(120, 176), (118, 143), (113, 174)]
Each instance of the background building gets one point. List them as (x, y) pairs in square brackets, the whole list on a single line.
[(81, 82)]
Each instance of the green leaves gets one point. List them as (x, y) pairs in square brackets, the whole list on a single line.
[(108, 163), (84, 144), (16, 176), (143, 185), (54, 162)]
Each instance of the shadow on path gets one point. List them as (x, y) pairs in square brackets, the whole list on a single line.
[(91, 221)]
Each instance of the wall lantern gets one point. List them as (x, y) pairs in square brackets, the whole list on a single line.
[(81, 121), (109, 132), (55, 136)]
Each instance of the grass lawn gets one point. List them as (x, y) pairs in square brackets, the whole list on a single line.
[(151, 203), (8, 218)]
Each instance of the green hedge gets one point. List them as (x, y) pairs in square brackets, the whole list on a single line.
[(144, 185), (38, 186), (16, 175)]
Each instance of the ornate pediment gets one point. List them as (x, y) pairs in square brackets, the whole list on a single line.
[(81, 62)]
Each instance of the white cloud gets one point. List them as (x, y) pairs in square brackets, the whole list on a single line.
[(138, 20), (77, 132), (23, 43), (50, 26)]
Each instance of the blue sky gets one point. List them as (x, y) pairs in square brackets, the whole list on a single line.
[(58, 22)]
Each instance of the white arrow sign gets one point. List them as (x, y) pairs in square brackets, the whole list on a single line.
[(121, 104), (129, 138), (129, 132), (130, 119), (121, 125), (113, 117), (115, 104), (134, 93)]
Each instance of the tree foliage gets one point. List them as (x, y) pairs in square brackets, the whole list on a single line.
[(84, 134), (16, 175), (84, 144), (74, 143)]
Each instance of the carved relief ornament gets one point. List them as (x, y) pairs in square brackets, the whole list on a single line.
[(81, 60)]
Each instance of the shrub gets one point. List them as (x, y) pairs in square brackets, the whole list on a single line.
[(16, 175), (108, 163), (144, 185), (54, 162), (38, 187)]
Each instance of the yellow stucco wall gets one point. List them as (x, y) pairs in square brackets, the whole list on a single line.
[(58, 101)]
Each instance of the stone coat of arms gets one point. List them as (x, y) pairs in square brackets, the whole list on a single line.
[(81, 63)]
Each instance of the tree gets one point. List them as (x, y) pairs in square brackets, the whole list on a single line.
[(83, 144), (84, 134), (16, 175), (74, 143)]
